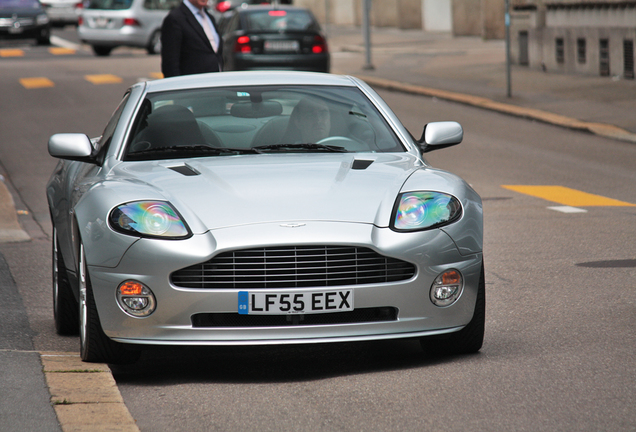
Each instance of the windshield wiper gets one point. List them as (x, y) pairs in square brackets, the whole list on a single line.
[(305, 146), (190, 150)]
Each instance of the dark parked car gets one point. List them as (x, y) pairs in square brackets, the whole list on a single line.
[(274, 37), (24, 19)]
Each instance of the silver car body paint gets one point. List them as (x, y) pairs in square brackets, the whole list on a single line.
[(247, 201)]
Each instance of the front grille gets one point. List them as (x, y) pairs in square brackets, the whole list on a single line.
[(363, 315), (293, 267)]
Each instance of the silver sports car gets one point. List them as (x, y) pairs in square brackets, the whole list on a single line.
[(255, 208)]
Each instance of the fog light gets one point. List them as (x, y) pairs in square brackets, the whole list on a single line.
[(447, 288), (136, 299)]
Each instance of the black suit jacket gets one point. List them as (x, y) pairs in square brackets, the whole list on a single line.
[(185, 49)]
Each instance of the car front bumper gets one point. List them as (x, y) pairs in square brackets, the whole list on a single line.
[(152, 261)]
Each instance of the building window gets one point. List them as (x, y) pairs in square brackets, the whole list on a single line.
[(560, 51), (604, 57), (581, 51), (628, 58)]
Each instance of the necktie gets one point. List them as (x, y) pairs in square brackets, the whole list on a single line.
[(207, 28)]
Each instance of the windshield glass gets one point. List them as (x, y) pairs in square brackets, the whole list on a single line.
[(279, 20), (257, 120), (19, 4), (109, 4)]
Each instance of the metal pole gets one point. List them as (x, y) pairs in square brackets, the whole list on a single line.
[(508, 80), (367, 34)]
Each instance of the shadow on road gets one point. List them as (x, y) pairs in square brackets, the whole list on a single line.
[(265, 364)]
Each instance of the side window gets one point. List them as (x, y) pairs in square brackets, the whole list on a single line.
[(107, 135)]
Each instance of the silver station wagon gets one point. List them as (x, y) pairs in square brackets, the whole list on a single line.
[(108, 24)]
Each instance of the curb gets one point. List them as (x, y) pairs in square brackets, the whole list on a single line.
[(600, 129), (85, 396)]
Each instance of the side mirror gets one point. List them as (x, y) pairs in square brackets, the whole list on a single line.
[(72, 146), (439, 135)]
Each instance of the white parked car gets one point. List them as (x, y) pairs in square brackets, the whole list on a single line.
[(107, 24)]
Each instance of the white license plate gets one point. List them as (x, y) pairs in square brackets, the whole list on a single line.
[(282, 46), (15, 30), (101, 22), (267, 303)]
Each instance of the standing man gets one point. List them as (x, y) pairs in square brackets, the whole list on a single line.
[(190, 41)]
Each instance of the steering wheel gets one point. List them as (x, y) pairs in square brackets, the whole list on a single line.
[(345, 142)]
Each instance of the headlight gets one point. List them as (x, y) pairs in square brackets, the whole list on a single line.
[(416, 211), (148, 219)]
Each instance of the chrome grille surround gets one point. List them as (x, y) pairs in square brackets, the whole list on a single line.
[(293, 267)]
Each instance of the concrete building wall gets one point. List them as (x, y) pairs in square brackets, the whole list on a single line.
[(466, 15), (437, 15), (461, 17), (384, 13), (492, 19), (568, 38), (410, 14)]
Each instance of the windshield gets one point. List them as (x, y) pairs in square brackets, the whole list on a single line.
[(109, 4), (258, 120), (280, 20)]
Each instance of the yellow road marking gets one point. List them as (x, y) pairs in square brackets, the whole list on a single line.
[(103, 79), (61, 51), (11, 53), (567, 196), (156, 75), (36, 82)]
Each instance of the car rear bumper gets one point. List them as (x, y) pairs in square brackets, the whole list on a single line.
[(126, 36)]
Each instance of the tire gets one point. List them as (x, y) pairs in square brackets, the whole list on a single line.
[(95, 346), (102, 51), (154, 45), (64, 304), (44, 38), (468, 340)]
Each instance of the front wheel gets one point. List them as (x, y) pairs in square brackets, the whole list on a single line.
[(95, 346), (102, 51), (468, 340)]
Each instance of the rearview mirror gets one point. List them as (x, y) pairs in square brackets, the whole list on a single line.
[(439, 135)]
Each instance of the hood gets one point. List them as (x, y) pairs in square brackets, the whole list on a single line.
[(248, 189)]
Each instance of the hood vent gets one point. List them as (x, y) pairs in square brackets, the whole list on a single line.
[(360, 164), (185, 170)]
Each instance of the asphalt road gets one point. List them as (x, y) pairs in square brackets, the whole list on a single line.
[(560, 345)]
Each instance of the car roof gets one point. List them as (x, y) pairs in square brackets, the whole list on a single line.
[(249, 78)]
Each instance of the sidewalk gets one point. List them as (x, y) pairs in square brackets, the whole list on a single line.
[(472, 71)]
